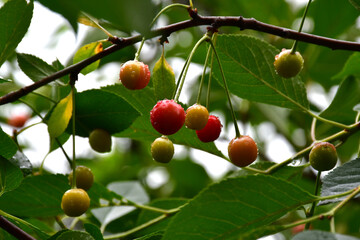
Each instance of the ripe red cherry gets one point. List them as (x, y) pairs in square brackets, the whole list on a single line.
[(134, 75), (167, 117), (18, 121), (242, 151), (211, 131)]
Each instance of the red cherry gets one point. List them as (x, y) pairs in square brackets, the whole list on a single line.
[(134, 75), (242, 151), (18, 120), (167, 117), (211, 131)]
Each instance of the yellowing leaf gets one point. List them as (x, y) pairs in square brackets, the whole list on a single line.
[(60, 117), (87, 51), (163, 79)]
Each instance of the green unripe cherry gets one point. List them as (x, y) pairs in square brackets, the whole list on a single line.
[(323, 156), (162, 149), (288, 64), (84, 177), (100, 140)]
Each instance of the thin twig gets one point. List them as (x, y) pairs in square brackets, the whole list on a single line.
[(240, 22)]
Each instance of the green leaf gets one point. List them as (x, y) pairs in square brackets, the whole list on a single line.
[(249, 71), (10, 176), (321, 235), (87, 51), (125, 15), (34, 67), (7, 146), (355, 3), (236, 206), (144, 100), (341, 179), (74, 235), (102, 109), (38, 196), (163, 79), (65, 8), (347, 96), (94, 231), (62, 139), (324, 25), (60, 117), (15, 18), (20, 160), (351, 67), (152, 236)]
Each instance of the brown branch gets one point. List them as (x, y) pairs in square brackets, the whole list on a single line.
[(197, 20), (14, 230)]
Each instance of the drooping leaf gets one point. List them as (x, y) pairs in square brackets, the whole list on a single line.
[(321, 235), (250, 73), (87, 51), (236, 206), (7, 146), (144, 100), (347, 96), (34, 67), (60, 117), (341, 179), (15, 18), (163, 79), (102, 109), (38, 196), (10, 176)]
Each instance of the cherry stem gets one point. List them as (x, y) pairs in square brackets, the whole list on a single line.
[(312, 210), (191, 4), (293, 49), (186, 66), (210, 73), (237, 131), (203, 76), (73, 164), (312, 131), (137, 54), (181, 73), (167, 8)]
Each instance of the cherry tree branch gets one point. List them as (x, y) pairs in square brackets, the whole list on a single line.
[(196, 20)]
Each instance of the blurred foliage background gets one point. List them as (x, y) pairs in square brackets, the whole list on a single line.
[(278, 132)]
